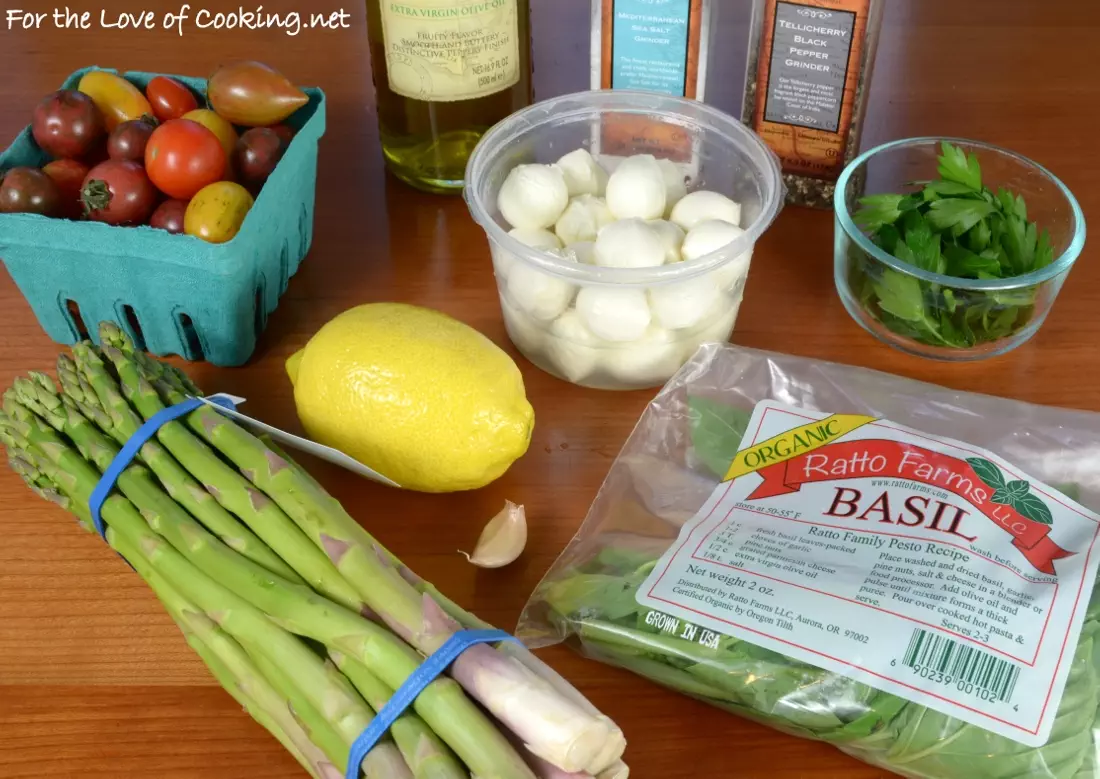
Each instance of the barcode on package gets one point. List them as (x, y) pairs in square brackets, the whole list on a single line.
[(961, 665)]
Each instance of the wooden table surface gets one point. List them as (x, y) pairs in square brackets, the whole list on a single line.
[(96, 682)]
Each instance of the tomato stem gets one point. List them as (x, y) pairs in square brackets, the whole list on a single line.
[(95, 196)]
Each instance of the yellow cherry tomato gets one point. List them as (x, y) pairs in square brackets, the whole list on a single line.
[(216, 213), (224, 131), (116, 98)]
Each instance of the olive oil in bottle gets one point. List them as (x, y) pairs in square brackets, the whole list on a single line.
[(445, 71)]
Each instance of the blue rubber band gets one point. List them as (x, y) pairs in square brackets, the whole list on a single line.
[(128, 452), (435, 665)]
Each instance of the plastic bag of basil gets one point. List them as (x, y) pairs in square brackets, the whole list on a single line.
[(899, 569)]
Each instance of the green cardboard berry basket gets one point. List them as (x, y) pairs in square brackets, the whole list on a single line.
[(174, 294)]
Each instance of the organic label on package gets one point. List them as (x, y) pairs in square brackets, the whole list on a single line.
[(919, 566)]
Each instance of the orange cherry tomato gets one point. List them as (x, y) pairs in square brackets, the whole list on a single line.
[(224, 131), (169, 98), (217, 212), (182, 157), (115, 97)]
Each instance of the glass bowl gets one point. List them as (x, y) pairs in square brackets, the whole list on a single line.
[(947, 317), (547, 300)]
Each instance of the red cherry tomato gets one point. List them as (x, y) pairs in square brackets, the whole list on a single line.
[(28, 191), (119, 193), (285, 132), (69, 177), (183, 157), (169, 216), (129, 139), (67, 124), (170, 98), (258, 152)]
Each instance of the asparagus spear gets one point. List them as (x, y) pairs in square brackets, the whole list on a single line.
[(227, 486), (40, 395), (442, 704), (551, 725), (230, 664), (427, 756)]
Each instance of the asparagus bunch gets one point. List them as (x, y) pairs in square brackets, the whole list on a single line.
[(300, 614)]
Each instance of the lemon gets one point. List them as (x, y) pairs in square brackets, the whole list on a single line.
[(414, 394)]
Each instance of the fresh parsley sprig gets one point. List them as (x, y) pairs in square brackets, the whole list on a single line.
[(953, 226)]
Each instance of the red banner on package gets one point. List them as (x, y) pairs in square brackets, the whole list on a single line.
[(877, 458)]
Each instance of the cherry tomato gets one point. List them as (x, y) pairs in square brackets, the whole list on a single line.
[(67, 124), (258, 152), (170, 99), (216, 213), (129, 139), (115, 97), (169, 216), (226, 133), (119, 193), (29, 191), (183, 157), (253, 95), (284, 131), (69, 177)]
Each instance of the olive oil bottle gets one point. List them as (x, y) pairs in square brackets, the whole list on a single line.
[(445, 71)]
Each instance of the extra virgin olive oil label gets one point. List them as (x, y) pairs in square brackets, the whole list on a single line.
[(447, 50), (808, 74), (919, 566)]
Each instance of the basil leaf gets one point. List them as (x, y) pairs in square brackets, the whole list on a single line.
[(716, 432), (987, 471), (1018, 487), (1033, 508)]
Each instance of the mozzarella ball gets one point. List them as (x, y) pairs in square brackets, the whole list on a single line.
[(503, 260), (704, 205), (614, 314), (716, 325), (572, 347), (675, 188), (535, 237), (527, 334), (629, 243), (583, 175), (582, 219), (583, 252), (684, 303), (672, 237), (711, 236), (637, 189), (540, 294), (533, 196), (652, 359)]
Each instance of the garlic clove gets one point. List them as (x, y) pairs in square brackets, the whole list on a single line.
[(533, 196), (502, 540), (582, 219), (583, 175), (637, 189), (703, 205), (614, 314), (672, 238), (675, 186), (629, 243)]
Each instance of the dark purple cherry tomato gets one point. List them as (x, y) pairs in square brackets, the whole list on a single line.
[(119, 193), (29, 191), (67, 124), (69, 177), (169, 216), (258, 152), (129, 139)]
